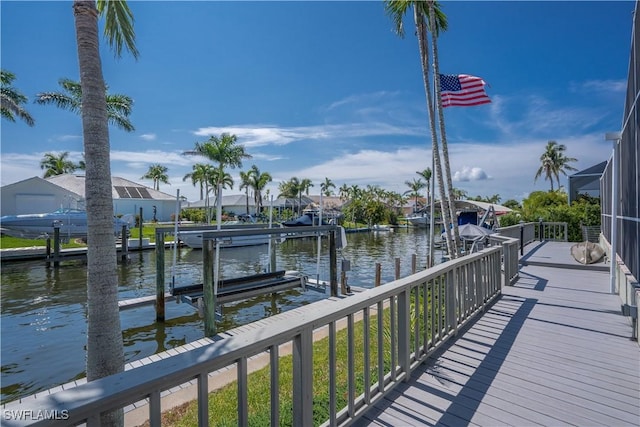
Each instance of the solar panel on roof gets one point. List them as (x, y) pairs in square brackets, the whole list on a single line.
[(144, 193), (122, 192), (133, 191)]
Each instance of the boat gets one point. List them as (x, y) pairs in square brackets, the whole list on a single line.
[(72, 223), (418, 219), (307, 219), (193, 239)]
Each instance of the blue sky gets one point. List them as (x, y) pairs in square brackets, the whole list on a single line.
[(327, 89)]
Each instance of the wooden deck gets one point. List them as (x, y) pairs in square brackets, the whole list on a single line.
[(553, 350)]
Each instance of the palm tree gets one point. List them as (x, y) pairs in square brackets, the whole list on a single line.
[(258, 181), (222, 150), (414, 190), (11, 100), (494, 198), (158, 174), (105, 354), (118, 106), (458, 193), (199, 175), (553, 162), (295, 188), (291, 190), (396, 9), (344, 192), (245, 184), (305, 184), (326, 187), (225, 151), (435, 31), (54, 165), (426, 174)]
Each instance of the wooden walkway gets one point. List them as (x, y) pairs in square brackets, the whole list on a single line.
[(554, 350)]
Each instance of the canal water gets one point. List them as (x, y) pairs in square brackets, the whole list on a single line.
[(43, 310)]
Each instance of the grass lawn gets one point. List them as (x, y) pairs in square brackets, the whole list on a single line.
[(8, 242), (222, 402)]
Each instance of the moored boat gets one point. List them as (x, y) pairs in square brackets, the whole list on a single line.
[(418, 219), (71, 222), (307, 219), (193, 239)]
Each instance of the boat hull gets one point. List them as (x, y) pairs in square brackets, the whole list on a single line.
[(71, 222), (418, 220), (193, 239)]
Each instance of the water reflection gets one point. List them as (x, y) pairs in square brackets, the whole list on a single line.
[(43, 322)]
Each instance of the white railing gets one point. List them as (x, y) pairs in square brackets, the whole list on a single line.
[(398, 325)]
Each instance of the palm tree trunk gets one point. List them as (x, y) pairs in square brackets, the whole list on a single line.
[(443, 134), (105, 354), (424, 59)]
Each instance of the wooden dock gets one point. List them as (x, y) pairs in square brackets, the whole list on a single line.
[(553, 350), (69, 254)]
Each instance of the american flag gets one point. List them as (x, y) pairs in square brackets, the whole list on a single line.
[(462, 90)]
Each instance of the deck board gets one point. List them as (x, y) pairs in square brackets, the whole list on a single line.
[(553, 350)]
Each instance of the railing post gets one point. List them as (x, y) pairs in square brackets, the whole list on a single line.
[(521, 238), (404, 333), (303, 378), (505, 262), (397, 268), (452, 301), (540, 229), (378, 274), (413, 263)]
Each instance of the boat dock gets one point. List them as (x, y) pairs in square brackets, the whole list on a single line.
[(553, 350), (69, 254)]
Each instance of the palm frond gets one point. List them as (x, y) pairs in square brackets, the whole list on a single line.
[(118, 27), (60, 100), (120, 120)]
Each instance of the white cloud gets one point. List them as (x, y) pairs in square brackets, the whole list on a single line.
[(470, 174), (600, 86), (148, 136), (260, 135), (370, 99)]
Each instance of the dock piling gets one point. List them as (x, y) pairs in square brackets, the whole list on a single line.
[(208, 288), (159, 275), (125, 244), (333, 260), (56, 245)]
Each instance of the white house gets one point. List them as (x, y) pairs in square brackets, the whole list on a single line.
[(232, 203), (39, 195)]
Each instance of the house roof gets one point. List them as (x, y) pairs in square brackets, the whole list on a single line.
[(595, 170), (121, 188), (33, 180)]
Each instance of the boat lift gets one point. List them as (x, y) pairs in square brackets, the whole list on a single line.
[(208, 294)]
